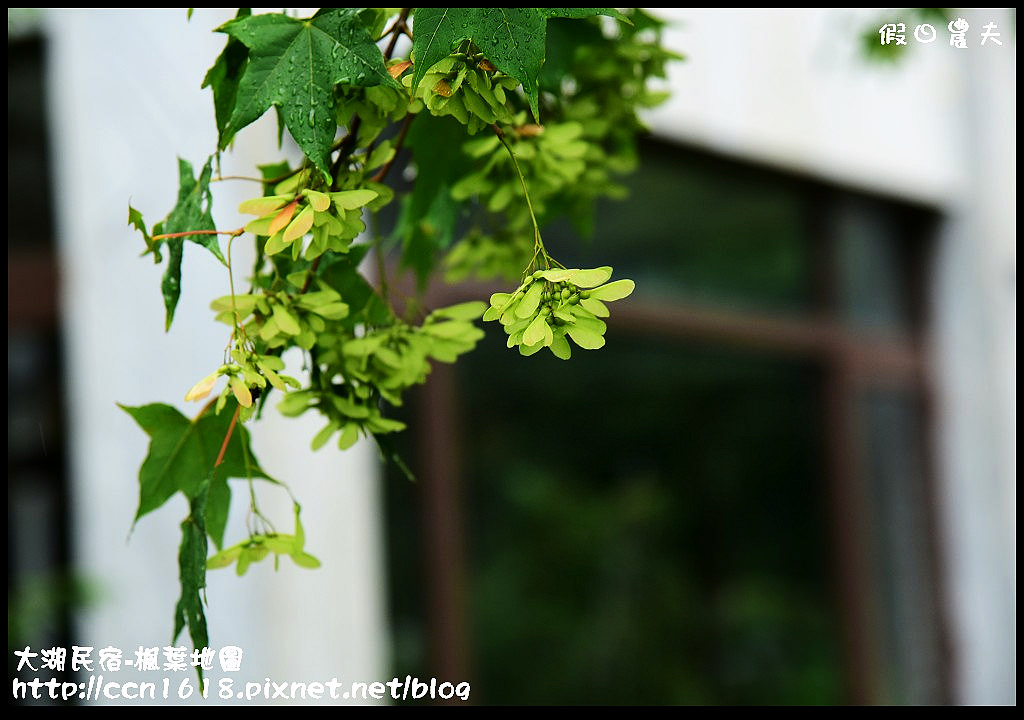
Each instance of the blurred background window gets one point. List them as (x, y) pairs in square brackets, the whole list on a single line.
[(729, 504)]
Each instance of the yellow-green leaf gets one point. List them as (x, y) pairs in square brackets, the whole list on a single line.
[(202, 388), (352, 199), (264, 205), (275, 244), (586, 338), (528, 305), (534, 333), (613, 291), (241, 391), (260, 226), (224, 558), (348, 436), (591, 278), (282, 218), (595, 306), (463, 311), (528, 350), (300, 225), (560, 347), (286, 321), (303, 559), (318, 200)]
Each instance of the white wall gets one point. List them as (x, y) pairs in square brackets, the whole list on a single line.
[(791, 88), (124, 87)]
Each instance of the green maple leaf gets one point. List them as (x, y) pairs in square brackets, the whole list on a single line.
[(512, 38), (192, 212), (181, 458), (192, 572), (295, 64), (223, 79), (135, 220)]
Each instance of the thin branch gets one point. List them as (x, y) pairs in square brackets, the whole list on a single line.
[(382, 173), (345, 147), (273, 180), (309, 276), (167, 236), (265, 181), (227, 437), (398, 28), (336, 146)]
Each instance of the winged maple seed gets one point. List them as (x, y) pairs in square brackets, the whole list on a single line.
[(333, 217), (552, 304), (202, 388)]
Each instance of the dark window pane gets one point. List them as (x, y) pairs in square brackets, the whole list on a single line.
[(909, 668), (872, 282), (704, 231), (645, 524)]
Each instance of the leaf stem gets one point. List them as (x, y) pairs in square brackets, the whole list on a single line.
[(227, 437), (238, 334), (254, 508), (168, 236), (538, 244), (399, 141), (265, 181), (310, 275), (231, 282)]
